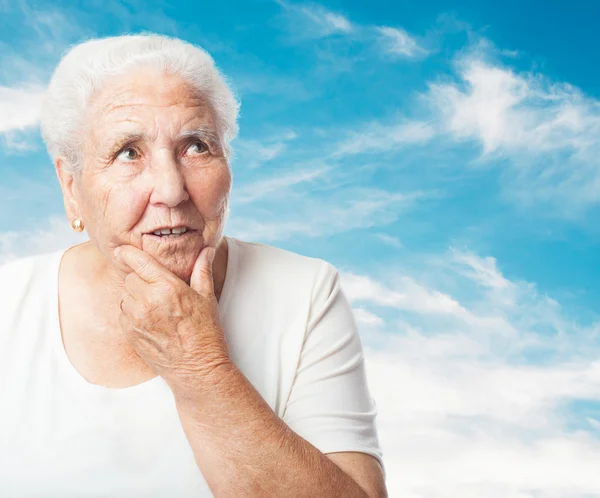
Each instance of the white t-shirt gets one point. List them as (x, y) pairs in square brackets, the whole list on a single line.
[(289, 328)]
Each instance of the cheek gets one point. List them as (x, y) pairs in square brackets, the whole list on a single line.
[(208, 193), (123, 205)]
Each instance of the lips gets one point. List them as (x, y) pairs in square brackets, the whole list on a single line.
[(171, 237), (177, 229)]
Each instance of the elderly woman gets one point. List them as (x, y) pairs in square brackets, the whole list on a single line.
[(162, 358)]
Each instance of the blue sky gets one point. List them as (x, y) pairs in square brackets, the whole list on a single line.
[(444, 156)]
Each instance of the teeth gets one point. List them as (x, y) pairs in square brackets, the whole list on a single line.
[(169, 231)]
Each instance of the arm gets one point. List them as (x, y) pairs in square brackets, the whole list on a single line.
[(240, 445), (244, 449), (329, 405), (365, 469)]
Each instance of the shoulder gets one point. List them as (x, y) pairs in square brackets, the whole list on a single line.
[(281, 267), (24, 265), (19, 276)]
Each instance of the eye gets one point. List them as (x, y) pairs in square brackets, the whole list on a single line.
[(197, 148), (125, 154)]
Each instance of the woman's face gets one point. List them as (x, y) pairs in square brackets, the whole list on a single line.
[(152, 159)]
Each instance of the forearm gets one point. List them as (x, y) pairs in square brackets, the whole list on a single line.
[(244, 449)]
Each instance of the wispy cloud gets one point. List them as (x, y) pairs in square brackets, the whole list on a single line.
[(261, 189), (547, 132), (544, 132), (366, 317), (264, 81), (19, 107), (397, 42), (486, 417), (325, 22), (250, 153), (508, 112), (310, 21), (482, 270), (407, 295), (294, 213), (390, 240), (54, 234), (42, 36), (41, 33), (481, 429), (382, 137)]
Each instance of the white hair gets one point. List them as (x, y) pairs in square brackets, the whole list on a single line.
[(85, 67)]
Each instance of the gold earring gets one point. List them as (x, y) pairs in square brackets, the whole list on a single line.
[(77, 225)]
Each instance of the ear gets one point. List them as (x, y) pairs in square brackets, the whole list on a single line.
[(69, 188)]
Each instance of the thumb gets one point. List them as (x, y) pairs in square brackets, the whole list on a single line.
[(202, 278)]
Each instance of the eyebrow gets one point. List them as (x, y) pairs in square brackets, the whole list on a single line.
[(203, 133)]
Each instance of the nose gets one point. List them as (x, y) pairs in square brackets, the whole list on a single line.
[(168, 182)]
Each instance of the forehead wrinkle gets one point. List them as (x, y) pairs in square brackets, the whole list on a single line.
[(127, 134), (121, 113), (137, 89), (204, 113), (111, 106), (128, 97)]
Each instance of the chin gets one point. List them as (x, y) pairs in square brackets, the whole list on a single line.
[(180, 265)]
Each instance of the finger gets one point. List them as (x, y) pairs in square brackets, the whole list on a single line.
[(137, 287), (202, 275), (142, 263), (137, 337), (126, 304)]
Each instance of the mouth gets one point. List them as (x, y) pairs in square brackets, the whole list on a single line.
[(171, 233)]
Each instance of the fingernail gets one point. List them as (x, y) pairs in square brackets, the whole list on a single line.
[(117, 251)]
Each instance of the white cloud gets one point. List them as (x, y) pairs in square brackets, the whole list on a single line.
[(380, 137), (408, 295), (388, 239), (398, 42), (19, 107), (471, 411), (19, 141), (310, 21), (480, 429), (548, 131), (482, 270), (54, 235), (264, 81), (293, 213), (25, 65), (254, 153), (260, 189), (326, 22), (365, 317)]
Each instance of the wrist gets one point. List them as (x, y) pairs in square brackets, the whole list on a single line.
[(191, 384)]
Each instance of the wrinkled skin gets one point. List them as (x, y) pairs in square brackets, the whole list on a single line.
[(128, 188), (122, 193)]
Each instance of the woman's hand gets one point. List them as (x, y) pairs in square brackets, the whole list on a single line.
[(174, 327)]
